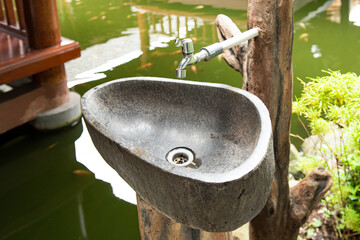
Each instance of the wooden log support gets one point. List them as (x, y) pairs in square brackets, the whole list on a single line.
[(266, 65), (43, 31), (9, 17), (153, 225)]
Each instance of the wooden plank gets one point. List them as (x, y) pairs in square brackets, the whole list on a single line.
[(10, 47), (37, 61), (2, 15), (10, 14), (4, 43), (20, 14), (12, 30)]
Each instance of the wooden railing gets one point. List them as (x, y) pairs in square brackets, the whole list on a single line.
[(31, 47), (30, 40), (12, 18)]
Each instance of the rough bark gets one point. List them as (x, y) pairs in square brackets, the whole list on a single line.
[(305, 196), (266, 65), (153, 225)]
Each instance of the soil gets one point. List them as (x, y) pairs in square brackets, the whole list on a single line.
[(321, 227)]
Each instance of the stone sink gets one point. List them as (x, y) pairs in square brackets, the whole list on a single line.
[(200, 153)]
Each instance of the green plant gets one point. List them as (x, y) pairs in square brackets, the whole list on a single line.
[(331, 105)]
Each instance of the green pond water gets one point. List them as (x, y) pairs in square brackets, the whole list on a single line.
[(54, 185)]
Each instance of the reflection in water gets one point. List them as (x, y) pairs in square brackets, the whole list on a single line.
[(138, 42), (87, 154), (81, 215), (316, 51), (46, 194), (230, 4), (319, 10), (354, 15), (144, 36)]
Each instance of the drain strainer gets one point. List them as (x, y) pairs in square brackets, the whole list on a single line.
[(180, 156)]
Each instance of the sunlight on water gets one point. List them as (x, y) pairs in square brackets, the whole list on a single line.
[(99, 58), (355, 15), (87, 154)]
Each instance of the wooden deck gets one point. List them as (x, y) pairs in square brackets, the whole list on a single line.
[(17, 60), (31, 47)]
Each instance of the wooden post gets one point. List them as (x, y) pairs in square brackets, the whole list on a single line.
[(153, 225), (266, 65), (42, 27), (269, 75)]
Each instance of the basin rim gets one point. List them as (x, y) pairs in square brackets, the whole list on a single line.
[(247, 167)]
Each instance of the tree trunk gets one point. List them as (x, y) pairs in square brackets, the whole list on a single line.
[(266, 65), (153, 225)]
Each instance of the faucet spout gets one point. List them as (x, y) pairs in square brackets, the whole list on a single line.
[(181, 73), (209, 52), (186, 61), (189, 59)]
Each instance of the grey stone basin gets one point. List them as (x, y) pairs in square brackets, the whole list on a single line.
[(135, 122)]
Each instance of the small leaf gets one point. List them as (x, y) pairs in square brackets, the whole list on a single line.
[(316, 223), (310, 233), (353, 197)]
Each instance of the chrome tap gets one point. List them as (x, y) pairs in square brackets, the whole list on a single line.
[(207, 53), (189, 58)]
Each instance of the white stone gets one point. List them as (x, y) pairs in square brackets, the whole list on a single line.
[(62, 116)]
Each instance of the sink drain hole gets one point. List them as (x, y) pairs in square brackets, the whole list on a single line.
[(180, 156)]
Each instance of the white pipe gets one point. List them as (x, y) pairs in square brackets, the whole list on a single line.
[(238, 39)]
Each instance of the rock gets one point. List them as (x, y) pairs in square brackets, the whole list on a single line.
[(292, 181), (294, 167), (308, 148), (323, 147)]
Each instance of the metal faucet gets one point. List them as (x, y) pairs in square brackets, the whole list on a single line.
[(189, 58), (209, 52)]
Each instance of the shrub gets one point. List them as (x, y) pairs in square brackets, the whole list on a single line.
[(331, 105)]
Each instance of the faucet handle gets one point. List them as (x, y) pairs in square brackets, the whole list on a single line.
[(186, 44), (178, 42)]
